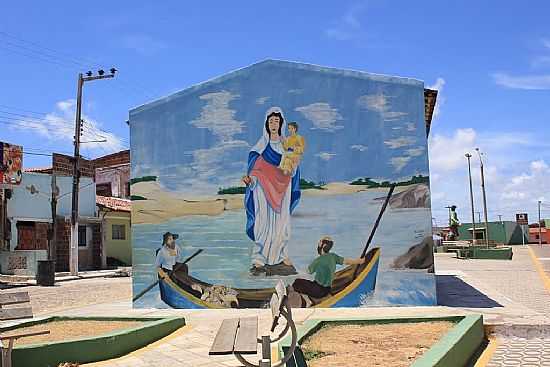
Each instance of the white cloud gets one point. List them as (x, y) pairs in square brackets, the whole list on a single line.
[(359, 147), (439, 84), (323, 116), (447, 153), (217, 117), (514, 181), (348, 26), (529, 82), (399, 162), (326, 156), (411, 126), (400, 142), (380, 103), (58, 126), (261, 100), (539, 166)]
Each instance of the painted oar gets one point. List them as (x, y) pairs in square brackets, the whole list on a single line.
[(371, 236), (143, 292)]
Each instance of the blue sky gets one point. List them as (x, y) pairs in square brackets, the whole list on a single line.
[(491, 61)]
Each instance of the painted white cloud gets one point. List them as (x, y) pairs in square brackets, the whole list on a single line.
[(400, 142), (359, 147), (261, 100), (295, 91), (399, 162), (326, 156), (217, 117), (380, 103), (411, 126), (58, 126), (438, 85), (322, 115), (529, 82), (414, 152)]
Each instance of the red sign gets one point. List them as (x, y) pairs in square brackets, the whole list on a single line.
[(11, 163)]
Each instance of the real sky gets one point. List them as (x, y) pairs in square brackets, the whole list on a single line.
[(490, 60)]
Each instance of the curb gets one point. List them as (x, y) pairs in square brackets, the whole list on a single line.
[(98, 348), (454, 349)]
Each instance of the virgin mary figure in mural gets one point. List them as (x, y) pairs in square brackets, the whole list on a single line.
[(270, 198)]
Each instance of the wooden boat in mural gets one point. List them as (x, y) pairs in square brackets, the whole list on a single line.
[(179, 290)]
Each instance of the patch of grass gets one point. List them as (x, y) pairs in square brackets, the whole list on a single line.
[(314, 354), (137, 197), (367, 181)]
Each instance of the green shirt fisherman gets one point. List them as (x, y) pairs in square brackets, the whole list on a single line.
[(323, 268)]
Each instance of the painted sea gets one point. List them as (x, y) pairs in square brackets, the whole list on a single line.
[(347, 218)]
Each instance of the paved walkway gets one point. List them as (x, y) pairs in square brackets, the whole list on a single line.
[(510, 294), (514, 299)]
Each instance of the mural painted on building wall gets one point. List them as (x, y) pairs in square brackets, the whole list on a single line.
[(279, 171)]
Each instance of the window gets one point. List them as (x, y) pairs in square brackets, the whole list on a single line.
[(119, 232), (103, 189), (82, 236)]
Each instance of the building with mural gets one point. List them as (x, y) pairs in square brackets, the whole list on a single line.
[(282, 171)]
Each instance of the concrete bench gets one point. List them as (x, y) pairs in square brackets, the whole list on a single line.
[(15, 298), (239, 336)]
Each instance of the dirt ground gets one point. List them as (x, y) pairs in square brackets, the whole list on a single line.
[(76, 293), (396, 345), (71, 329)]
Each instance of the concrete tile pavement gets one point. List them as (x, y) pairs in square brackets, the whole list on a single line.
[(510, 295)]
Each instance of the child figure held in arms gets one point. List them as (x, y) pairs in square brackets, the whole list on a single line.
[(324, 268), (294, 147)]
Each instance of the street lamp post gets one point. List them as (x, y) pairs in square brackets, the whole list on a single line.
[(484, 198), (468, 156)]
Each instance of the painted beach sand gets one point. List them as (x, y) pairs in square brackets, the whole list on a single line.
[(255, 167)]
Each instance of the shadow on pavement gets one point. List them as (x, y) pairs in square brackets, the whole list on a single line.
[(453, 292)]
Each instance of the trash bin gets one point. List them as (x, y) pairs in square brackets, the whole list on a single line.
[(45, 275)]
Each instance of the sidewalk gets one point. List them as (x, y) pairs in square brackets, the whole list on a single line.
[(24, 280), (511, 295)]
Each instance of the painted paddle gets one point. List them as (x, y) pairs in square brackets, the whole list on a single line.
[(143, 292), (371, 236)]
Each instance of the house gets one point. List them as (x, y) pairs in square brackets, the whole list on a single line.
[(29, 217), (505, 232), (115, 216), (112, 176), (544, 233)]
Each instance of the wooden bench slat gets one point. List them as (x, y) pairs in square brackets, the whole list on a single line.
[(14, 298), (246, 341), (15, 313), (23, 335), (225, 338)]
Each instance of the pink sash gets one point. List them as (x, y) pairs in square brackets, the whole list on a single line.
[(273, 182)]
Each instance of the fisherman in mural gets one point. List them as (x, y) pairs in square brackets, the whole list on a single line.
[(324, 268), (294, 147), (270, 198), (453, 223)]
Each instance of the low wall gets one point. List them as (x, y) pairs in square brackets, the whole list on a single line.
[(21, 262), (87, 350)]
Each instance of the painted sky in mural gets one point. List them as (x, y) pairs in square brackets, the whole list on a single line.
[(360, 126)]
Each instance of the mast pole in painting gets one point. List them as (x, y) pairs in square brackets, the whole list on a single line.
[(468, 156)]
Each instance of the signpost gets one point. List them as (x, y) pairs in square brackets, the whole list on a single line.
[(522, 220)]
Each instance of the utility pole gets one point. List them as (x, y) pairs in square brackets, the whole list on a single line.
[(73, 253), (52, 249), (500, 218), (468, 156), (478, 217), (484, 198), (540, 230)]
